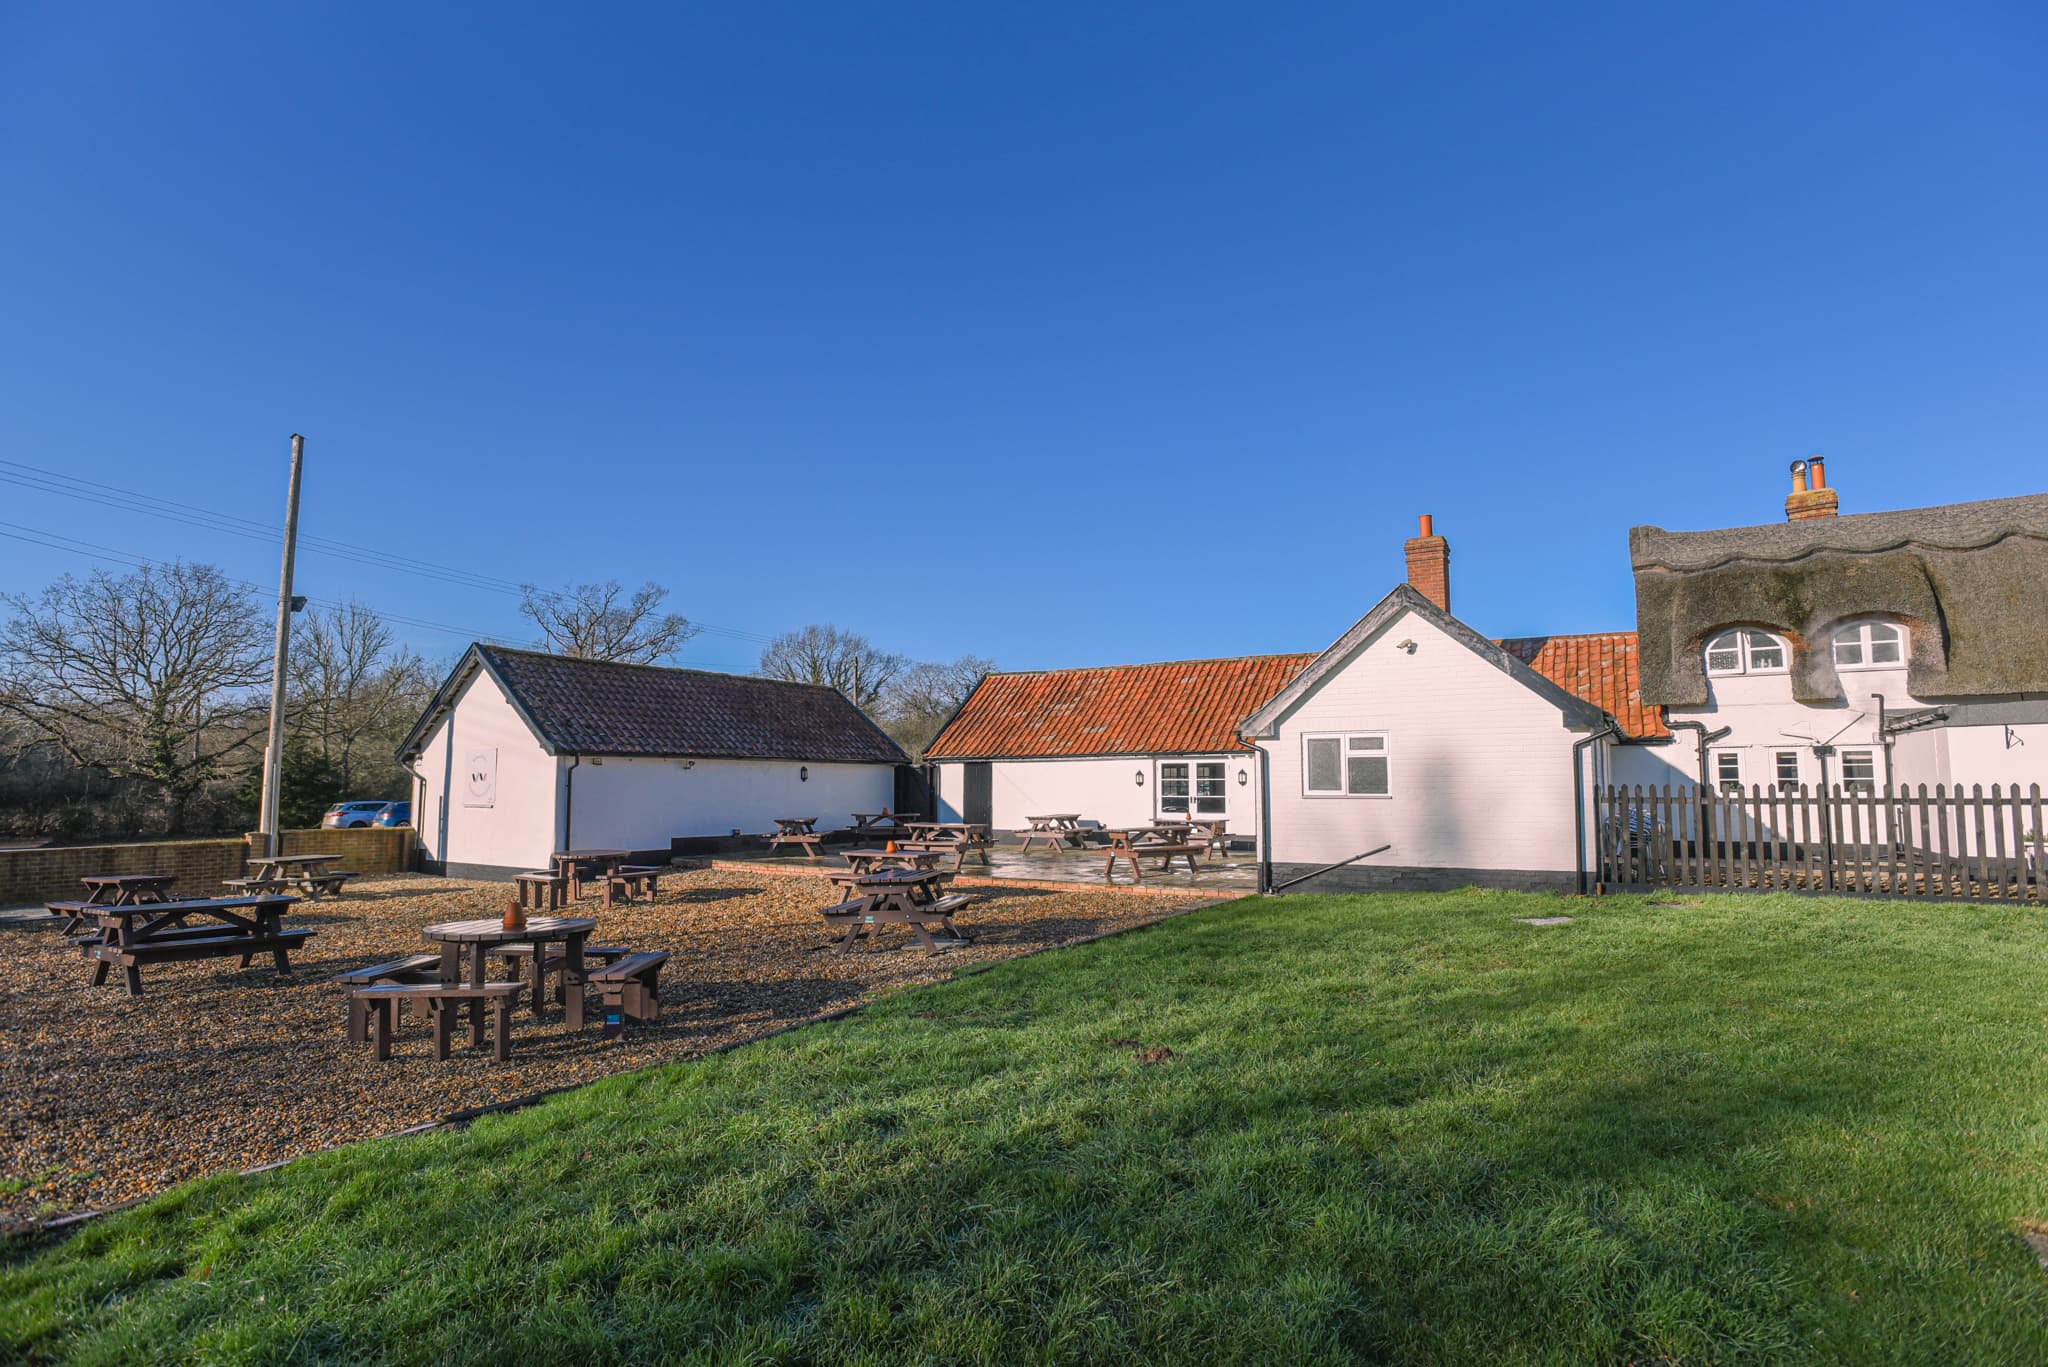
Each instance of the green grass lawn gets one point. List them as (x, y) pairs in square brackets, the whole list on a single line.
[(1738, 1130)]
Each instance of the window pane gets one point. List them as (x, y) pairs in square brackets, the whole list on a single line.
[(1723, 654), (1369, 775), (1173, 804), (1728, 771), (1323, 773), (1859, 770), (1788, 768), (1368, 742), (1170, 771), (1209, 806), (1849, 649), (1765, 652), (1885, 646)]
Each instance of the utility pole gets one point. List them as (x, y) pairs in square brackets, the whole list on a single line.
[(273, 753)]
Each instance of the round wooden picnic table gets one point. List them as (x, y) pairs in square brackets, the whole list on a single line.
[(477, 937)]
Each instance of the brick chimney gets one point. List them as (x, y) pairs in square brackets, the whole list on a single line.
[(1429, 564), (1810, 499)]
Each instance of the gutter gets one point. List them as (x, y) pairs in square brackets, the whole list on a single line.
[(1609, 728)]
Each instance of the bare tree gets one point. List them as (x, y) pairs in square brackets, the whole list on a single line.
[(148, 676), (353, 695), (838, 659), (602, 622), (926, 695)]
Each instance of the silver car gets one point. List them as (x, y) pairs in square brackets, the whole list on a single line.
[(344, 816)]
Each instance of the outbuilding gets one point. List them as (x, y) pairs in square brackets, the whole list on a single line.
[(522, 753)]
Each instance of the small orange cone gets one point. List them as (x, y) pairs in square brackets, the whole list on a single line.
[(889, 848)]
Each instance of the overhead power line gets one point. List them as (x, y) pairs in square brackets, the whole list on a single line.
[(34, 477)]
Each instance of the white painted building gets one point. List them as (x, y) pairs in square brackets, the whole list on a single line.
[(1907, 647), (1444, 754), (521, 754), (1124, 745)]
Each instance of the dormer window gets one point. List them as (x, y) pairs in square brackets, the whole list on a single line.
[(1870, 645), (1745, 652)]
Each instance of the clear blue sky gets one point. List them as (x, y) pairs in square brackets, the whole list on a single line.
[(990, 330)]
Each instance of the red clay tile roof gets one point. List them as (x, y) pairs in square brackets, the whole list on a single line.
[(1181, 707), (1599, 667)]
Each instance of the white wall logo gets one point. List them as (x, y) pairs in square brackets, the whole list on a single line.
[(480, 778)]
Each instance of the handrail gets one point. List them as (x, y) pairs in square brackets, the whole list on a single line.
[(1326, 868)]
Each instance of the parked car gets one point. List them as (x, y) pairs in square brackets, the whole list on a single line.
[(394, 814), (347, 815)]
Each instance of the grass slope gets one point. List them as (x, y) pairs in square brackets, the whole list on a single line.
[(1756, 1129)]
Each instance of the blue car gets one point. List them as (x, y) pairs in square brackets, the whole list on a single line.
[(394, 814)]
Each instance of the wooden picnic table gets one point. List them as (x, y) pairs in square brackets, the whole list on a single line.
[(1146, 842), (797, 830), (139, 933), (309, 873), (120, 890), (573, 866), (868, 861), (904, 897), (883, 822), (1059, 830), (1213, 830), (473, 940)]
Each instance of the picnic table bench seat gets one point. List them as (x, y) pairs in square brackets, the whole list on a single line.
[(412, 970), (519, 954), (256, 885), (630, 990), (541, 889), (1164, 851), (176, 947), (627, 881), (443, 1001)]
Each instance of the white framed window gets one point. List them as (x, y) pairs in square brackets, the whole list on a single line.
[(1746, 651), (1788, 768), (1859, 771), (1347, 764), (1870, 645), (1195, 786), (1728, 771)]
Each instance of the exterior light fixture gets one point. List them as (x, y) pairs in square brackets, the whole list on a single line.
[(1139, 778), (1243, 778), (803, 773), (1408, 646)]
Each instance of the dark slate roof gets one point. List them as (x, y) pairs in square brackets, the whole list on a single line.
[(588, 707), (1967, 580)]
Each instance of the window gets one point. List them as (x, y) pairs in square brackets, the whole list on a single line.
[(1351, 765), (1208, 794), (1859, 771), (1788, 768), (1728, 770), (1869, 645), (1745, 652)]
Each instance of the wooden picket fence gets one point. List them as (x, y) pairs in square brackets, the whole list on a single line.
[(1905, 843)]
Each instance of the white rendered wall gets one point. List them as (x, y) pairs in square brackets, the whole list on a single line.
[(1481, 767), (1988, 755), (1103, 791), (518, 830), (1765, 719), (640, 804)]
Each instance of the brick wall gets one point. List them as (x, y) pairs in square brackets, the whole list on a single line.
[(366, 849), (47, 875)]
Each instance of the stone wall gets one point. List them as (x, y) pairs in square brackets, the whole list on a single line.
[(51, 873)]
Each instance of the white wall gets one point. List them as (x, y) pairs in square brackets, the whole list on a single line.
[(1481, 767), (1103, 791), (640, 804), (518, 830), (1986, 755)]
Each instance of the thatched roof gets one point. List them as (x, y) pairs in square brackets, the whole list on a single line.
[(1969, 581)]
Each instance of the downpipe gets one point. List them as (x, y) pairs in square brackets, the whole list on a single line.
[(1318, 873), (1579, 794)]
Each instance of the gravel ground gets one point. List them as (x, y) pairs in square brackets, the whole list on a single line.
[(104, 1097)]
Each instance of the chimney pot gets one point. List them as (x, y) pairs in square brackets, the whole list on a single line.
[(1810, 496), (1819, 466), (1428, 526)]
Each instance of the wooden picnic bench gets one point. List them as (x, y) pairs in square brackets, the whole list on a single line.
[(959, 838), (155, 932), (411, 971), (540, 890), (466, 944), (443, 1001), (796, 830), (1143, 842), (884, 822), (629, 990), (867, 861), (574, 867), (306, 872), (118, 890), (1059, 830), (527, 960), (626, 881), (896, 897)]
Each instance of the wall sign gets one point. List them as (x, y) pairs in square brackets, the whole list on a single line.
[(480, 777)]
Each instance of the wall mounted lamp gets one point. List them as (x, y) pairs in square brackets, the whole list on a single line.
[(1139, 778), (1243, 778), (803, 773)]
